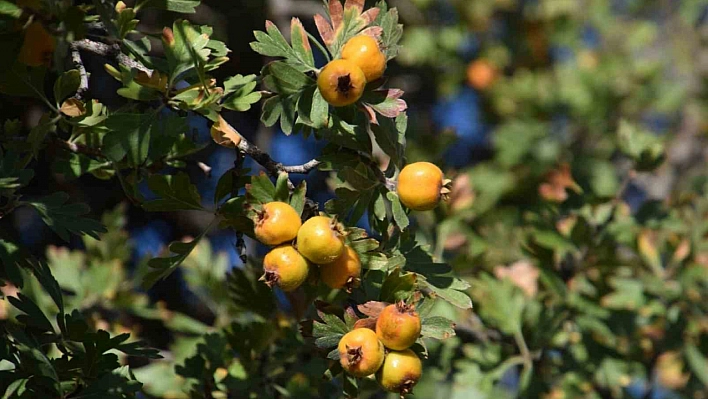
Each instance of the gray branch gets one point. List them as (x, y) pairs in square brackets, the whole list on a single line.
[(110, 51), (79, 64)]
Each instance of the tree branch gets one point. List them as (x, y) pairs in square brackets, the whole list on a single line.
[(79, 64), (258, 155), (270, 165), (110, 51)]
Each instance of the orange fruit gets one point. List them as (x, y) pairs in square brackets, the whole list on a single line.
[(419, 186), (341, 83), (364, 51), (360, 352)]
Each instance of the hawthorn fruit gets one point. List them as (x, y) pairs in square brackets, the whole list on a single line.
[(364, 52), (398, 326), (341, 83), (360, 352), (320, 240), (285, 267), (276, 223)]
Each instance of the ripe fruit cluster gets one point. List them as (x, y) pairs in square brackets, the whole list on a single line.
[(386, 352), (320, 241), (383, 350), (342, 81)]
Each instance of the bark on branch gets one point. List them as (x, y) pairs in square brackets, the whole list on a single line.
[(110, 51)]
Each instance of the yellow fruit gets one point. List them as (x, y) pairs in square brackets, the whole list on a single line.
[(320, 240), (360, 352), (364, 51), (38, 46), (341, 83), (420, 185), (481, 74), (398, 326), (400, 372), (285, 267), (343, 272), (276, 223)]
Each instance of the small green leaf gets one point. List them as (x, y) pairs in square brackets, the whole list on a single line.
[(697, 362), (12, 176), (283, 78), (297, 200), (261, 188), (398, 286), (176, 192), (66, 85), (128, 135), (163, 267), (437, 327), (399, 215), (282, 192), (239, 94), (34, 317), (181, 6), (10, 10)]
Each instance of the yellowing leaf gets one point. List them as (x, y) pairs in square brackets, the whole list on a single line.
[(72, 107), (224, 134)]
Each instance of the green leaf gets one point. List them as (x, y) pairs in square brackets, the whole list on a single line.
[(329, 332), (272, 43), (66, 218), (181, 6), (261, 188), (697, 362), (398, 286), (646, 149), (10, 10), (176, 192), (249, 294), (297, 200), (301, 44), (12, 260), (34, 317), (239, 94), (66, 85), (392, 31), (72, 165), (282, 192), (12, 176), (128, 135), (319, 114), (283, 78), (163, 267), (389, 139), (399, 214), (189, 48), (39, 133), (437, 327)]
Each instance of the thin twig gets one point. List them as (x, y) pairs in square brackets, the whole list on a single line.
[(270, 165), (79, 148), (79, 64)]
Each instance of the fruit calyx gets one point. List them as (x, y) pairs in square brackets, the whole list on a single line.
[(352, 282), (354, 354), (402, 307), (271, 278), (446, 190), (344, 85), (407, 387)]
